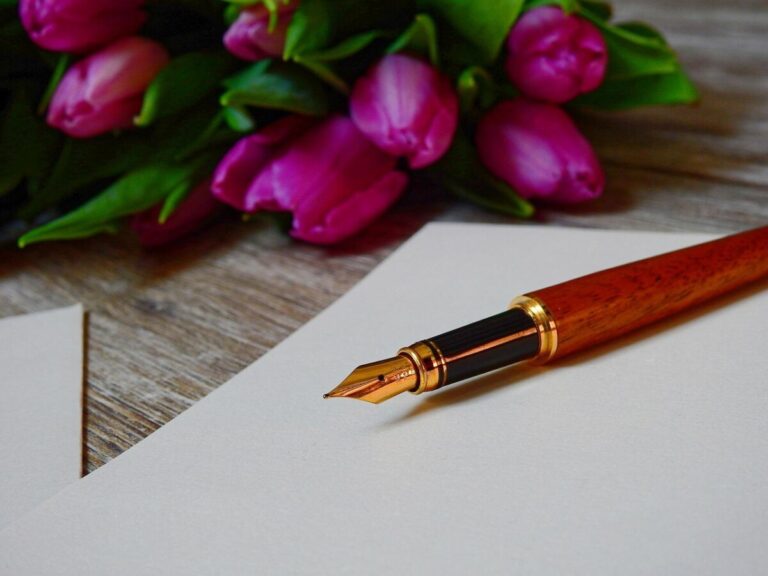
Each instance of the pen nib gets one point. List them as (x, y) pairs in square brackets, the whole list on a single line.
[(378, 381)]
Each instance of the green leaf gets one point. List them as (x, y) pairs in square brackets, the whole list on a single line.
[(173, 140), (644, 30), (568, 6), (318, 24), (27, 146), (58, 74), (653, 89), (83, 162), (238, 118), (346, 48), (173, 200), (477, 89), (633, 53), (322, 33), (419, 38), (598, 8), (633, 49), (484, 24), (277, 86), (462, 174), (136, 191), (324, 72), (321, 63), (182, 84), (642, 68)]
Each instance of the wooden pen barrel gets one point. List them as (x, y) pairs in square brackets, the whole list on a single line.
[(602, 306)]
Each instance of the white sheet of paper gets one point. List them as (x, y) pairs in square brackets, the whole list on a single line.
[(41, 391), (647, 457)]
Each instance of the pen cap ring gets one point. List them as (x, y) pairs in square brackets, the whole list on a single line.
[(429, 364), (545, 325)]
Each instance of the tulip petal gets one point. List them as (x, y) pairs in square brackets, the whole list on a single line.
[(81, 120), (104, 91), (236, 172), (124, 68), (80, 25), (520, 157), (438, 136), (356, 212), (250, 38), (331, 178), (407, 108), (347, 169), (196, 209), (537, 149), (554, 56), (333, 157)]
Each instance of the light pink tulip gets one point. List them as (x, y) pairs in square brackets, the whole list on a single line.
[(250, 38), (104, 91), (80, 25), (407, 108), (196, 210), (554, 56), (333, 180), (537, 149)]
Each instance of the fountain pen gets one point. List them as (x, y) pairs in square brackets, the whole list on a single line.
[(565, 318)]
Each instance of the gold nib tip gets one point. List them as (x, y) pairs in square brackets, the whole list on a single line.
[(377, 381)]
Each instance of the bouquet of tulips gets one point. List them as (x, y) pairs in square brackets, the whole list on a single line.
[(164, 112)]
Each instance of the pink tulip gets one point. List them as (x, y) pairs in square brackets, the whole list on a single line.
[(80, 25), (333, 180), (233, 176), (537, 149), (554, 56), (104, 91), (196, 210), (250, 37), (407, 108)]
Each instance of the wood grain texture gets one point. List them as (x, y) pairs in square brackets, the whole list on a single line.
[(167, 327), (602, 306)]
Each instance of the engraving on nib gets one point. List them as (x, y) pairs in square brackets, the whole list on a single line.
[(378, 381)]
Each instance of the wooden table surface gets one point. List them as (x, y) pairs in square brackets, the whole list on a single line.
[(169, 326)]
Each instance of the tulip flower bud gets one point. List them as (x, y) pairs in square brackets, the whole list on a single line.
[(333, 180), (104, 91), (198, 208), (233, 176), (250, 37), (554, 56), (407, 108), (80, 25), (537, 149)]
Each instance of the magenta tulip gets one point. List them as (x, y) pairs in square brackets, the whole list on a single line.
[(537, 149), (80, 25), (250, 36), (196, 210), (233, 176), (333, 180), (554, 56), (104, 91), (407, 108)]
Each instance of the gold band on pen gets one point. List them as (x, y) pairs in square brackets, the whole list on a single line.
[(545, 325), (429, 363)]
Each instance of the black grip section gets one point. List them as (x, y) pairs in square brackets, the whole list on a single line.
[(488, 344)]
